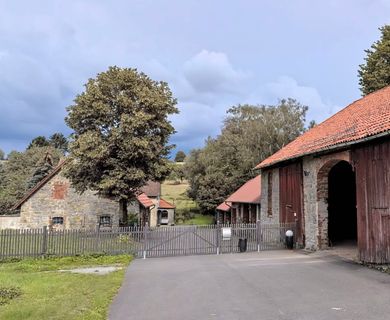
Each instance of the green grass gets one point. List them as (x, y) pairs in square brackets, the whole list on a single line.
[(185, 207), (49, 294), (200, 219)]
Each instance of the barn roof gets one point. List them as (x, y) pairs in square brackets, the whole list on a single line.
[(163, 204), (368, 117), (249, 192), (223, 207)]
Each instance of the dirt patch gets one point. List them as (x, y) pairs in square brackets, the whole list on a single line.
[(94, 270)]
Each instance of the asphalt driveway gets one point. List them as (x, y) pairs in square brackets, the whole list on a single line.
[(267, 285)]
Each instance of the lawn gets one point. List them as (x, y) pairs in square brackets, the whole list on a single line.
[(46, 293), (186, 209), (200, 219)]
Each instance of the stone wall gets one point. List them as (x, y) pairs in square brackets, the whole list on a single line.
[(265, 215), (58, 199), (315, 195), (9, 222)]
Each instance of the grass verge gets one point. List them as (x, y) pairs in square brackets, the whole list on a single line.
[(45, 293), (200, 219)]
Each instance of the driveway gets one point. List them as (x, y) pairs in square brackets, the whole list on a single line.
[(267, 285)]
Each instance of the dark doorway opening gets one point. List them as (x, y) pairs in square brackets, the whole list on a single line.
[(342, 216)]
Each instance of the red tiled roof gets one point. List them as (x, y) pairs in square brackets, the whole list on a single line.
[(165, 204), (223, 207), (249, 192), (144, 200), (366, 117)]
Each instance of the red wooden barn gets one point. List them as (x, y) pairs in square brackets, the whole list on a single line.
[(334, 180)]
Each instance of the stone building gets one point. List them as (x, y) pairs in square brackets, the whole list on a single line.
[(54, 202), (334, 180), (242, 206)]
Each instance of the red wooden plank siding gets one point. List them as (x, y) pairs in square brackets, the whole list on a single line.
[(372, 166), (290, 197)]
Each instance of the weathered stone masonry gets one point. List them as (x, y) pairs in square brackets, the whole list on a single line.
[(58, 199)]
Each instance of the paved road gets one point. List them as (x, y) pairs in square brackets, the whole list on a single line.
[(268, 285)]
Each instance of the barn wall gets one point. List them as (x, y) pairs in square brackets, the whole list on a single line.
[(372, 165), (290, 201), (265, 199)]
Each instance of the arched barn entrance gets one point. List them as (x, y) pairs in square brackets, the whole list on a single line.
[(336, 199), (342, 217)]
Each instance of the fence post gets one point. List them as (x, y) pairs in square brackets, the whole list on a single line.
[(258, 234), (218, 233), (145, 240), (44, 241)]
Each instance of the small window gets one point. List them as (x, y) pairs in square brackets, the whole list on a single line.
[(58, 220), (105, 221), (164, 214)]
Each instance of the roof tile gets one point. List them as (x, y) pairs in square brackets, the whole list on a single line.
[(366, 117)]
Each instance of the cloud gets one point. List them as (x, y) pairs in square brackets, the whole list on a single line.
[(212, 72), (288, 87)]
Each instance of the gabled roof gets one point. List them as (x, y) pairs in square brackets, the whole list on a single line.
[(249, 192), (223, 207), (39, 185), (368, 117), (144, 200), (163, 204)]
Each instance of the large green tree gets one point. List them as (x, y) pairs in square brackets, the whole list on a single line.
[(374, 74), (249, 135), (20, 172), (121, 131)]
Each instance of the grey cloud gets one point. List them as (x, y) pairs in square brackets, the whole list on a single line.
[(210, 71)]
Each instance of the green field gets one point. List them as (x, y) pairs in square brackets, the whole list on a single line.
[(187, 211), (46, 293)]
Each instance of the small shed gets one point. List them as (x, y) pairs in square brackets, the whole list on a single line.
[(242, 206)]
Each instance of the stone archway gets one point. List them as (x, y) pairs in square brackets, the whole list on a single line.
[(333, 176)]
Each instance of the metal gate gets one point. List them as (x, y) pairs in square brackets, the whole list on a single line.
[(211, 239)]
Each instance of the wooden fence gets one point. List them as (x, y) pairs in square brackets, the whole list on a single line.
[(142, 241)]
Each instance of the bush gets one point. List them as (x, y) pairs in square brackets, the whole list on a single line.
[(9, 293)]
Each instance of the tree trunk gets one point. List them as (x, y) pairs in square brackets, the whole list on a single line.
[(123, 212)]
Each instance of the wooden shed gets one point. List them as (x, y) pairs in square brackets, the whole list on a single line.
[(242, 206)]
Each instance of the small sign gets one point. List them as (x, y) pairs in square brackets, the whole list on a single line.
[(226, 233)]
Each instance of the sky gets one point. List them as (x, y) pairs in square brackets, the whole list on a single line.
[(214, 54)]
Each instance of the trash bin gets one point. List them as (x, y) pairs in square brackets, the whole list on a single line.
[(289, 239), (242, 244)]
